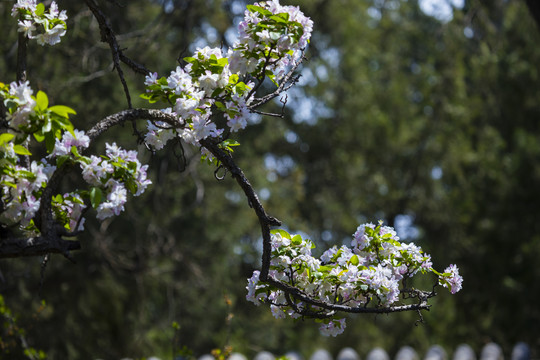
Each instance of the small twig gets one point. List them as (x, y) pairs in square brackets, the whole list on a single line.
[(267, 113), (288, 81), (108, 36)]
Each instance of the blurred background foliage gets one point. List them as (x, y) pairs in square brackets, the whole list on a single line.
[(429, 122)]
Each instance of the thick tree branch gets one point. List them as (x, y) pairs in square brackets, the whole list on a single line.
[(39, 246), (265, 220), (131, 115)]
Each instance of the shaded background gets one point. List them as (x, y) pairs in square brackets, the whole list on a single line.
[(426, 118)]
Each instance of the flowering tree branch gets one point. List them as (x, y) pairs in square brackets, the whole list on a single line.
[(370, 276), (326, 309), (51, 240)]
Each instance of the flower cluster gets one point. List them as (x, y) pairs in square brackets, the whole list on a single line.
[(370, 270), (270, 36), (68, 210), (20, 103), (21, 187), (213, 80), (451, 279), (196, 90), (110, 176), (36, 23)]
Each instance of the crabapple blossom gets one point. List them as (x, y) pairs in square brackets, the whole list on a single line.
[(29, 5), (158, 134), (77, 139), (68, 209), (116, 198), (372, 269), (451, 279), (21, 189), (36, 23), (21, 95), (254, 294), (51, 36), (333, 327), (220, 80)]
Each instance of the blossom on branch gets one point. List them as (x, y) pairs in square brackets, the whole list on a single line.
[(373, 270), (36, 23), (270, 36)]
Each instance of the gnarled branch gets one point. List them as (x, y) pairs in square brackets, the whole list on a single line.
[(38, 246), (267, 221)]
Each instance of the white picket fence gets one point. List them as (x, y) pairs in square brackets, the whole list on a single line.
[(491, 351)]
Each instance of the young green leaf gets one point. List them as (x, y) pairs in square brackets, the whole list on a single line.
[(95, 197), (40, 9), (42, 100), (5, 138), (62, 110), (21, 150)]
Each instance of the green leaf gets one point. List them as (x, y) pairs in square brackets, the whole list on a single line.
[(354, 260), (131, 185), (241, 87), (296, 239), (163, 81), (5, 138), (61, 160), (282, 232), (27, 174), (62, 110), (75, 152), (222, 62), (9, 183), (21, 150), (258, 9), (63, 123), (278, 19), (50, 140), (42, 100), (233, 79), (40, 9), (148, 96), (95, 197), (39, 137), (132, 166)]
